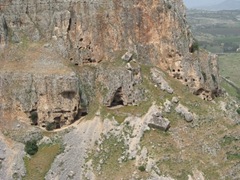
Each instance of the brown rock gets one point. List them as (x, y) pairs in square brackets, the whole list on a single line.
[(88, 32)]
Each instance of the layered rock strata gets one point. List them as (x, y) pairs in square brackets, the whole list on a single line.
[(92, 31), (36, 82)]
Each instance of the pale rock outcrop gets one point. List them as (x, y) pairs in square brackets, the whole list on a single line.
[(158, 78), (197, 175), (159, 122), (11, 159), (175, 100), (184, 111), (167, 106)]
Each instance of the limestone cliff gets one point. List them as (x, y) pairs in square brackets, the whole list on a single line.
[(134, 68), (40, 85), (93, 31)]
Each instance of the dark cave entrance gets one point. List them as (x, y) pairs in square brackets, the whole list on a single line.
[(34, 117), (57, 122), (117, 98)]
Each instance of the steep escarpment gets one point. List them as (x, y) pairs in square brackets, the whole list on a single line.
[(94, 31), (133, 68), (39, 85)]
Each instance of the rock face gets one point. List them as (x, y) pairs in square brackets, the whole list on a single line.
[(55, 99), (46, 90), (93, 31), (157, 77), (119, 85), (11, 159)]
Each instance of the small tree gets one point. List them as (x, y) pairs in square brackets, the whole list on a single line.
[(141, 168), (238, 111), (31, 147), (50, 126), (194, 47)]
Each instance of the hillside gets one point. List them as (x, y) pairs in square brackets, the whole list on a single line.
[(225, 5), (111, 90)]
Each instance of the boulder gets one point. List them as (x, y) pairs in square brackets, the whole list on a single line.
[(159, 122), (167, 106), (184, 111), (127, 56), (157, 77), (175, 100)]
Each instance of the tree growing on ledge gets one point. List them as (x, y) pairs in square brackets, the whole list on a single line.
[(31, 147), (194, 47)]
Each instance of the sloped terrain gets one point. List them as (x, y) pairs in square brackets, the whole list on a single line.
[(111, 90)]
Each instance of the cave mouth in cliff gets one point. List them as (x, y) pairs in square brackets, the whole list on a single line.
[(57, 124), (68, 94), (34, 117), (117, 98)]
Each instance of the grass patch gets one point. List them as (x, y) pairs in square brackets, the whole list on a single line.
[(227, 140), (38, 165), (211, 172), (228, 39), (229, 67), (229, 89), (233, 156), (108, 159)]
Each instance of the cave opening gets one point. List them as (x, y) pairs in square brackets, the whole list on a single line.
[(69, 25), (80, 113), (57, 122), (34, 117), (117, 98), (68, 94)]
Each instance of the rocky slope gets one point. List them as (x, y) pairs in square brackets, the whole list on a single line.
[(129, 65)]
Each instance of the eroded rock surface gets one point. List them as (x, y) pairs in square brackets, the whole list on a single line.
[(93, 31), (41, 86), (184, 111), (157, 77), (11, 159), (159, 122), (119, 86)]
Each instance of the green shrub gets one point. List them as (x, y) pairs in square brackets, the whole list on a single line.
[(194, 47), (238, 111), (50, 126), (141, 168), (227, 140), (233, 156), (31, 147)]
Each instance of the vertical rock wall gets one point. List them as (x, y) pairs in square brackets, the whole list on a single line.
[(54, 98), (93, 31), (84, 32)]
